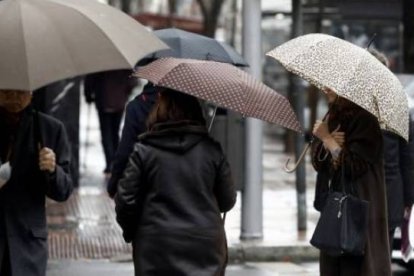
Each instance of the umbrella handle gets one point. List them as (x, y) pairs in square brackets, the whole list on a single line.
[(305, 150), (301, 157), (212, 119)]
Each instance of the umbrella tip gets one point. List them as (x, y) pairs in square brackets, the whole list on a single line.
[(371, 40)]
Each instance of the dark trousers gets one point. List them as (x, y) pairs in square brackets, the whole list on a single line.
[(340, 266), (109, 123), (391, 239), (5, 267)]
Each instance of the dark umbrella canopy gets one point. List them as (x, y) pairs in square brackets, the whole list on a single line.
[(224, 85), (194, 46)]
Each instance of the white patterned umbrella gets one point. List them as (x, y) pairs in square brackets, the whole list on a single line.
[(224, 85), (351, 72)]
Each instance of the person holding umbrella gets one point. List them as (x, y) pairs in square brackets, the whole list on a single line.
[(35, 161), (182, 44), (136, 114), (174, 188), (364, 96), (360, 151)]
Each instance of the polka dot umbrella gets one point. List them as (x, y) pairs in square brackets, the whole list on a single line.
[(351, 72), (223, 85)]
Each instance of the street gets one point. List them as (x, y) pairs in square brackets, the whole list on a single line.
[(107, 268), (84, 236)]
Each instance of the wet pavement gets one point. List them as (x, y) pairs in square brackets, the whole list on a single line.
[(85, 227), (84, 238), (106, 268)]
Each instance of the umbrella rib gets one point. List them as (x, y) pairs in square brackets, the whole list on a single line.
[(24, 43)]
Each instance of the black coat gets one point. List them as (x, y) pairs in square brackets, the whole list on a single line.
[(362, 158), (23, 225), (399, 175), (136, 115), (109, 89), (169, 202)]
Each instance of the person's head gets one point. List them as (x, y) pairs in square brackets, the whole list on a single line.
[(331, 96), (174, 106), (338, 103), (380, 56), (14, 101)]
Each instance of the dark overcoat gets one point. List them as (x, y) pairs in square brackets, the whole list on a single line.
[(136, 115), (169, 202), (362, 156), (23, 225), (399, 175)]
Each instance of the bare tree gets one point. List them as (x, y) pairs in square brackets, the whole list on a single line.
[(172, 10), (126, 6), (141, 5), (211, 11)]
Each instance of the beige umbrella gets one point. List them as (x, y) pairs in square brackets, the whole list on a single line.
[(352, 72), (42, 41), (224, 85)]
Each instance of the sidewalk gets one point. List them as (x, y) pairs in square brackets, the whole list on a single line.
[(106, 268), (85, 227)]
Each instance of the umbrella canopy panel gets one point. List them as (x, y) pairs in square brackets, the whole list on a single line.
[(352, 72), (194, 46), (223, 85), (42, 41)]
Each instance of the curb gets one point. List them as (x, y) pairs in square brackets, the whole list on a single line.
[(241, 253), (244, 252)]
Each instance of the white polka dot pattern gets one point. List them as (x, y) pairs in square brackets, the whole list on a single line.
[(224, 85), (352, 72)]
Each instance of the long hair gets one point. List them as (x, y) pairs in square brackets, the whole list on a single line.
[(174, 106), (342, 110)]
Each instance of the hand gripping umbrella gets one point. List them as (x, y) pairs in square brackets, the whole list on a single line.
[(351, 72)]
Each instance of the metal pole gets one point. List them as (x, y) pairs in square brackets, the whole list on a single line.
[(252, 194), (299, 105)]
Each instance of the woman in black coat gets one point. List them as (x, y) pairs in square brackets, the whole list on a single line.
[(359, 151), (176, 184)]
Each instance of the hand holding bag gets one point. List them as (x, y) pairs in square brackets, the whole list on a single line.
[(342, 226)]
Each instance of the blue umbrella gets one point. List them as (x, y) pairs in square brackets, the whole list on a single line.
[(194, 46)]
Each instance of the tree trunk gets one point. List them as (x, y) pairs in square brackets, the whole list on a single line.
[(126, 6), (211, 11), (172, 9), (233, 23), (141, 5)]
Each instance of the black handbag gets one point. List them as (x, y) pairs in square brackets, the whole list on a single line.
[(342, 226)]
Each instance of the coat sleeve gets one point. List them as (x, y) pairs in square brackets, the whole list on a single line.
[(225, 190), (59, 184), (407, 166), (129, 197), (363, 145), (133, 126)]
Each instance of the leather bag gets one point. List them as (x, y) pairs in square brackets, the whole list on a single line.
[(342, 226)]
